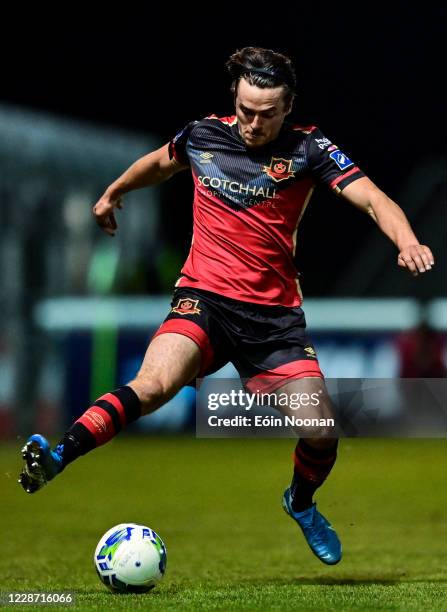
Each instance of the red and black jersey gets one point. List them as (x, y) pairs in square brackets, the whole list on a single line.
[(248, 204)]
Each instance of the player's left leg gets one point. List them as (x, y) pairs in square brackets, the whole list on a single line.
[(274, 355), (314, 457)]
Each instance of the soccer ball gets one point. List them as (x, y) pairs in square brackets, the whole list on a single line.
[(130, 558)]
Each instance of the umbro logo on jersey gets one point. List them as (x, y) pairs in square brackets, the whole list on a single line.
[(341, 160), (206, 157), (279, 169), (186, 306)]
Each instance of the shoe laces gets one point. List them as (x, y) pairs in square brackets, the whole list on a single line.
[(59, 449), (319, 531)]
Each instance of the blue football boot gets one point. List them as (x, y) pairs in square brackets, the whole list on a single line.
[(41, 463), (319, 533)]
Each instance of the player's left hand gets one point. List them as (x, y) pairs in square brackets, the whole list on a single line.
[(416, 258)]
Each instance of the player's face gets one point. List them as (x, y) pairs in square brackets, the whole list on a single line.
[(260, 113)]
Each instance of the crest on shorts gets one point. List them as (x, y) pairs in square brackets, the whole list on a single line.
[(186, 306), (279, 169)]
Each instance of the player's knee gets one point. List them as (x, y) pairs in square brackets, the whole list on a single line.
[(151, 393), (324, 441), (322, 434)]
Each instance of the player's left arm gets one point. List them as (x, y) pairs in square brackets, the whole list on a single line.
[(364, 194)]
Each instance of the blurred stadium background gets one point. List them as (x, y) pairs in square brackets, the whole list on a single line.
[(79, 308), (79, 101)]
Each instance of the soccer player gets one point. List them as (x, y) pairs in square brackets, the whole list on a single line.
[(238, 297)]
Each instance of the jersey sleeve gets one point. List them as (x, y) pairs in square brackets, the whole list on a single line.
[(177, 145), (328, 164)]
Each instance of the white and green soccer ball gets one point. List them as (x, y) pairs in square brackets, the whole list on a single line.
[(130, 558)]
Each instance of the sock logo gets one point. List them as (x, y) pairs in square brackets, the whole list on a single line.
[(96, 420)]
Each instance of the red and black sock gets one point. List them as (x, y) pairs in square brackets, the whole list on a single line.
[(100, 423), (312, 466)]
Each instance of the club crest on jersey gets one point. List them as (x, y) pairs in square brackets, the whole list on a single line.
[(186, 306), (279, 169)]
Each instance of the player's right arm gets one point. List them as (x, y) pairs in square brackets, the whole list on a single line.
[(151, 169)]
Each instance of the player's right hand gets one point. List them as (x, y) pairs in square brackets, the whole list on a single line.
[(104, 215)]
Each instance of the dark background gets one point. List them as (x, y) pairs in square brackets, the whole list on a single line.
[(372, 81)]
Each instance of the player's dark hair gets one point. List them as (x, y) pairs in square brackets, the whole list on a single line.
[(263, 68)]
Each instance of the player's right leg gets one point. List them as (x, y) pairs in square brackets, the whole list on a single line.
[(314, 458), (172, 360)]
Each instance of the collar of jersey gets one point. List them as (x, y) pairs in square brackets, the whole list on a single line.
[(235, 129)]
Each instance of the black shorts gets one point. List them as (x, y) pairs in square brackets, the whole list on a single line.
[(267, 345)]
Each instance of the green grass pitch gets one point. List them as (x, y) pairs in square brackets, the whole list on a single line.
[(216, 504)]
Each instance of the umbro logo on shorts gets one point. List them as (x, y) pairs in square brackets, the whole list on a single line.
[(310, 351)]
